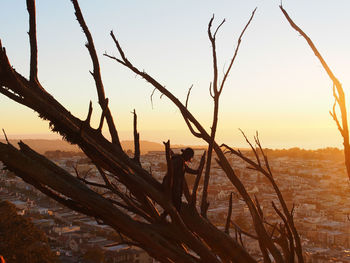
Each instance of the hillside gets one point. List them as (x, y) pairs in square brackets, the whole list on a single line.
[(43, 145)]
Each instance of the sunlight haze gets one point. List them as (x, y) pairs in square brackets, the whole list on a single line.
[(277, 86)]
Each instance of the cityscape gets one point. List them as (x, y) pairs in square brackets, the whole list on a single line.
[(315, 184)]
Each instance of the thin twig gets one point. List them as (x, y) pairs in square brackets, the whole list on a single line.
[(198, 178), (190, 127), (33, 42), (229, 213), (88, 117), (217, 29), (161, 88), (152, 97), (103, 114), (188, 95), (236, 52), (252, 147), (136, 141), (8, 142), (244, 232)]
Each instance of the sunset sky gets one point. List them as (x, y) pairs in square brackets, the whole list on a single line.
[(276, 86)]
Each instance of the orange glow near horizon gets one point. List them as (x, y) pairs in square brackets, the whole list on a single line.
[(276, 85)]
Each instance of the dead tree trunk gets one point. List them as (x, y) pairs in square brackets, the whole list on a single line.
[(135, 213)]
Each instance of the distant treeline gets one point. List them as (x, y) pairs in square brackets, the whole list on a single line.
[(329, 153), (63, 154)]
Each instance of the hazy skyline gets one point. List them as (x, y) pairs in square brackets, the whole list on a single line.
[(276, 86)]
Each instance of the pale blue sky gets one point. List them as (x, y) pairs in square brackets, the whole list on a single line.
[(276, 86)]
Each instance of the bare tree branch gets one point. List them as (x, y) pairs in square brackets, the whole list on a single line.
[(258, 167), (151, 93), (196, 182), (188, 95), (136, 141), (239, 229), (12, 95), (190, 127), (7, 140), (33, 42), (236, 52), (290, 253), (168, 184), (210, 90), (217, 29), (88, 118), (97, 74), (184, 111), (216, 95), (251, 146), (103, 115), (229, 213), (339, 98), (132, 198)]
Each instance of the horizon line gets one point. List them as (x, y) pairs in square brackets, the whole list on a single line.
[(57, 137)]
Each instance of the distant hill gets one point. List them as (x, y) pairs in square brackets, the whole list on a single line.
[(145, 146), (42, 145)]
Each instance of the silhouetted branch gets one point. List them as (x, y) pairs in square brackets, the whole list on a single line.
[(292, 210), (184, 236), (103, 115), (217, 29), (257, 204), (265, 241), (33, 42), (132, 208), (97, 75), (266, 161), (289, 254), (12, 95), (273, 230), (239, 229), (104, 176), (236, 51), (136, 141), (339, 98), (87, 182), (168, 184), (129, 243), (215, 94), (196, 182), (188, 95), (190, 127), (152, 91), (189, 118), (240, 239), (213, 45), (258, 167), (333, 113), (7, 140), (251, 147), (229, 213), (42, 170), (64, 201), (210, 91), (88, 118), (312, 46)]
